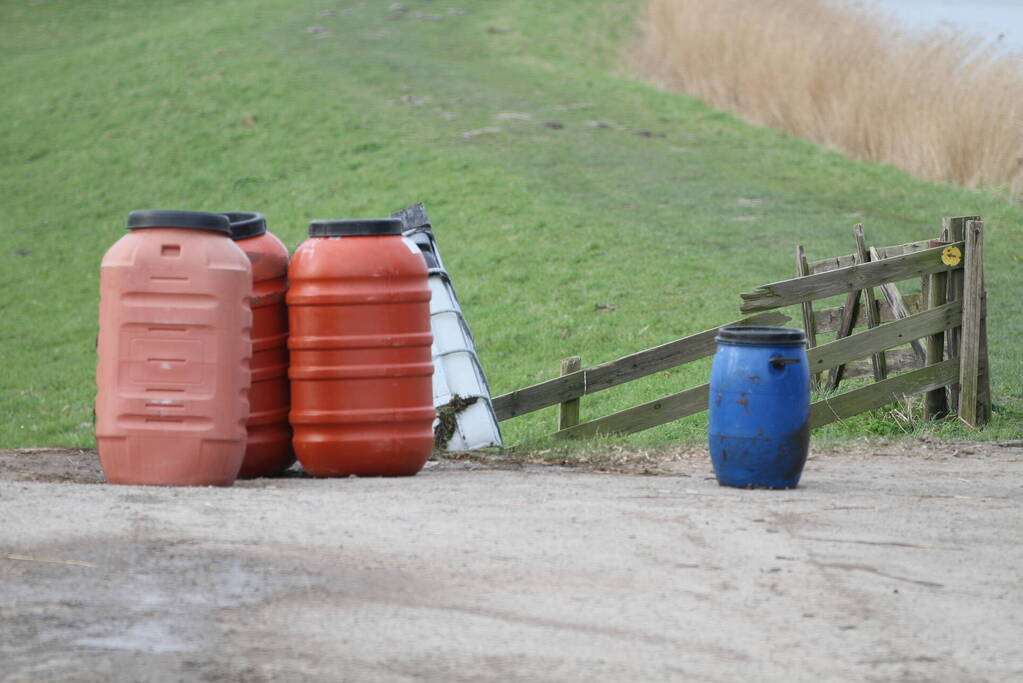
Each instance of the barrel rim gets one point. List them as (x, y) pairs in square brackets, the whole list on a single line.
[(159, 218), (761, 334), (355, 227), (246, 224)]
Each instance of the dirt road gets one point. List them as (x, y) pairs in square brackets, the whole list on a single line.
[(880, 567)]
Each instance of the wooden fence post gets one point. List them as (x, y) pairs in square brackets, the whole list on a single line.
[(935, 402), (568, 411), (878, 360), (984, 381), (970, 337), (954, 230), (809, 321)]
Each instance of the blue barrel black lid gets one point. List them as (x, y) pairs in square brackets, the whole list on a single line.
[(245, 224), (361, 226), (200, 220), (761, 334)]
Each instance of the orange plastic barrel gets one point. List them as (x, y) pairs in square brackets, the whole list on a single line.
[(173, 371), (361, 371), (268, 449)]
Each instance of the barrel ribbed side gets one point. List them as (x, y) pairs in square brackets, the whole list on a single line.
[(268, 449), (361, 369), (174, 349), (759, 409)]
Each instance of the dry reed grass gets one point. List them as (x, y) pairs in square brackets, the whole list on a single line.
[(940, 106)]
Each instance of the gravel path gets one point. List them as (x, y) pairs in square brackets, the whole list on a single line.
[(880, 567)]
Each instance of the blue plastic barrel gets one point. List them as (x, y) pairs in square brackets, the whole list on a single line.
[(759, 429)]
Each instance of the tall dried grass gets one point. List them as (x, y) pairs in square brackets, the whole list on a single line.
[(940, 106)]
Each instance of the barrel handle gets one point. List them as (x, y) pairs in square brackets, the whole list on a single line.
[(780, 363)]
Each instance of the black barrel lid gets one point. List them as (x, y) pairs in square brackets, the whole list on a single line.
[(179, 219), (362, 226), (760, 334), (246, 224)]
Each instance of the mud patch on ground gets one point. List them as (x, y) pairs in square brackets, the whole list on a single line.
[(51, 465)]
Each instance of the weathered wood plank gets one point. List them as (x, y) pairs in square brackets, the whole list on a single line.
[(894, 298), (644, 416), (935, 402), (877, 361), (983, 380), (619, 371), (910, 247), (883, 337), (846, 260), (692, 401), (829, 319), (666, 356), (809, 324), (896, 360), (829, 264), (969, 351), (900, 360), (954, 230), (568, 411), (542, 395), (882, 393), (849, 311), (899, 309), (809, 319), (843, 280)]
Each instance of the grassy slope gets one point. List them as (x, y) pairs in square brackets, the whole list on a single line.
[(113, 106)]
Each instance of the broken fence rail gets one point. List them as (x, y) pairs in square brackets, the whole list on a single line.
[(844, 280)]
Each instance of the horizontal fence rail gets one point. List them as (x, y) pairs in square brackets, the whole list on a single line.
[(820, 358), (845, 280), (863, 344), (846, 260), (896, 360), (599, 377), (830, 319), (645, 416), (882, 393)]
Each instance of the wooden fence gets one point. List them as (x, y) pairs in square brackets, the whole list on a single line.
[(951, 272), (952, 301)]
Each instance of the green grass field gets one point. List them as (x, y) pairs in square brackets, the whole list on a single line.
[(665, 211)]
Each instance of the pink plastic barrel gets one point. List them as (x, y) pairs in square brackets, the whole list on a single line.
[(174, 349)]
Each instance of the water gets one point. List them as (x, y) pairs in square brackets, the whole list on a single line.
[(992, 21)]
